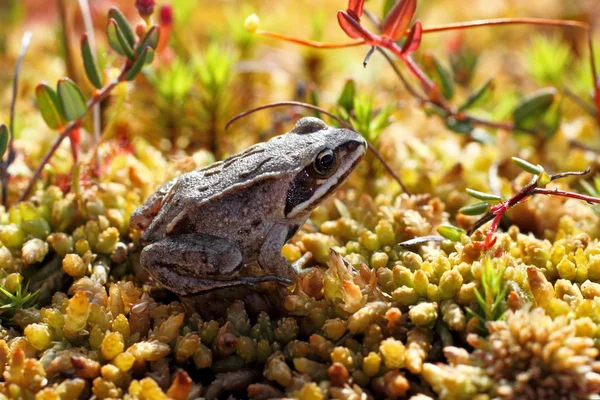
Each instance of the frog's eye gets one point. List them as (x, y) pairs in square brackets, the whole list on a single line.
[(325, 162), (308, 125)]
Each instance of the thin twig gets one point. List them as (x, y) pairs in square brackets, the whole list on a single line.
[(342, 122), (10, 157), (579, 101), (89, 29)]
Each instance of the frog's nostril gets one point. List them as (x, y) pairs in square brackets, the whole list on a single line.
[(309, 125)]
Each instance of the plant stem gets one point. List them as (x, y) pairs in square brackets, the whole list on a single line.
[(10, 157), (386, 165)]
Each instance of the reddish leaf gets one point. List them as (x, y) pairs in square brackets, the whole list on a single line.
[(355, 8), (353, 28), (414, 38), (398, 19)]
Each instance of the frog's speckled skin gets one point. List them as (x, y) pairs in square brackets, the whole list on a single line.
[(204, 225)]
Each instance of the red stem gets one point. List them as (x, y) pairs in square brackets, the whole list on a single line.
[(558, 192)]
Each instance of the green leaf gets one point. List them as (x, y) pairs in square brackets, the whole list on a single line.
[(527, 166), (451, 232), (149, 40), (479, 96), (462, 127), (123, 24), (71, 98), (117, 41), (50, 106), (4, 134), (137, 66), (89, 62), (474, 209), (439, 74), (346, 99), (530, 111), (487, 197)]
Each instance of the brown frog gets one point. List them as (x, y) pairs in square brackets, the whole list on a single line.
[(202, 227)]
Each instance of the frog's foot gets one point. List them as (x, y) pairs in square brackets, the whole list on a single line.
[(190, 285)]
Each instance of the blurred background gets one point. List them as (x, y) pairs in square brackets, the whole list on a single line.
[(209, 69)]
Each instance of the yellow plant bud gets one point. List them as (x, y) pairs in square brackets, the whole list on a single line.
[(121, 325), (34, 250), (112, 345), (379, 260), (343, 356), (74, 266), (421, 281), (434, 293), (450, 283), (590, 289), (291, 252), (423, 314), (319, 245), (310, 391), (96, 337), (371, 364), (566, 269), (39, 336), (385, 233), (594, 268), (393, 352), (252, 23), (369, 240), (78, 311), (405, 295), (169, 329), (124, 361)]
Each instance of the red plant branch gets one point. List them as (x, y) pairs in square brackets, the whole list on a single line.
[(71, 127), (534, 187), (350, 22)]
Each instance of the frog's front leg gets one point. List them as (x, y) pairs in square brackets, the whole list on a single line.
[(195, 262), (270, 257)]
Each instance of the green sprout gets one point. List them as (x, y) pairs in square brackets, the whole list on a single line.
[(11, 302), (491, 297)]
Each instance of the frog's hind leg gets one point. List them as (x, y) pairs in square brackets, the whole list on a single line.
[(196, 262)]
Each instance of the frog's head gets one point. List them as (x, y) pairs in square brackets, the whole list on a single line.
[(327, 156)]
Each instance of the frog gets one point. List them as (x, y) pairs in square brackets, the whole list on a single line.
[(200, 229)]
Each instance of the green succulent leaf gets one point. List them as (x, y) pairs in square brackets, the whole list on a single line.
[(474, 209), (479, 96), (439, 74), (528, 114), (4, 134), (487, 197), (450, 232), (71, 98), (50, 106), (458, 126), (139, 63), (116, 14), (149, 40), (89, 62), (346, 99), (527, 166), (117, 40)]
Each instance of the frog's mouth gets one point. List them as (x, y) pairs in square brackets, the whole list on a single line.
[(307, 191)]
